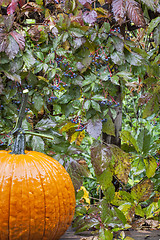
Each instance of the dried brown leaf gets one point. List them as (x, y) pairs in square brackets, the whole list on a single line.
[(134, 13)]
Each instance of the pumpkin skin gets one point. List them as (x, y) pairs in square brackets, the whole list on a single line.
[(37, 197)]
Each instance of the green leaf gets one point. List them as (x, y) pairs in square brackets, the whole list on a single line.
[(28, 59), (37, 144), (39, 2), (151, 166), (38, 102), (151, 107), (151, 209), (109, 193), (108, 126), (105, 234), (144, 141), (87, 105), (45, 124), (98, 98), (127, 137), (134, 59), (40, 55), (105, 179), (118, 58), (139, 211), (96, 106), (125, 75)]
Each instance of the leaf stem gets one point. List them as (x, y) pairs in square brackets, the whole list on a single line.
[(39, 135)]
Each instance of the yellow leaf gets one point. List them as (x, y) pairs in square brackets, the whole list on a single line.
[(43, 79), (80, 138), (73, 137), (67, 126), (86, 194)]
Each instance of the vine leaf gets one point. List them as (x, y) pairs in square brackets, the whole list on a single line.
[(151, 166), (134, 13), (142, 191), (118, 8), (94, 128), (129, 8), (12, 7), (19, 39)]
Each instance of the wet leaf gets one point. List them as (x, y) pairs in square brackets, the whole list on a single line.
[(100, 157), (151, 166), (37, 144), (105, 179), (108, 126), (45, 124), (68, 126), (142, 191), (122, 163), (80, 137), (94, 128), (144, 141), (105, 234), (151, 107), (127, 137), (12, 7), (19, 39), (12, 48)]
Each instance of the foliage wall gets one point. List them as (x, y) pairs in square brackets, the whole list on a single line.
[(92, 70)]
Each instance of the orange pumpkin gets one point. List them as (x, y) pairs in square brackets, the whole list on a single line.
[(37, 197)]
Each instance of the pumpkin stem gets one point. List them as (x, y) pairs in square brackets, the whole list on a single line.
[(18, 132)]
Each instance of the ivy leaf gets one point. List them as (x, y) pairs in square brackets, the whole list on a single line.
[(96, 106), (108, 126), (90, 17), (150, 3), (144, 141), (19, 39), (105, 179), (94, 128), (142, 190), (118, 8), (12, 7), (105, 234), (28, 59), (151, 166), (101, 157), (37, 144), (87, 105), (118, 58), (38, 102), (13, 77), (127, 137), (151, 107), (134, 13), (45, 124), (12, 48), (153, 24), (122, 163)]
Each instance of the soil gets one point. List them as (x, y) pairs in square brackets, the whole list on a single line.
[(135, 234)]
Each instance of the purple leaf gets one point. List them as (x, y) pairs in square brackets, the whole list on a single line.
[(94, 128), (19, 39), (12, 7), (118, 8), (90, 17), (12, 48), (135, 14), (83, 2)]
